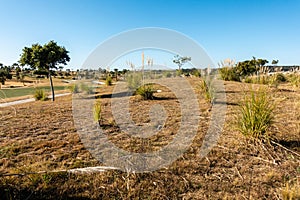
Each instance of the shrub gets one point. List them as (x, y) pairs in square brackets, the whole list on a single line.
[(207, 89), (229, 74), (97, 111), (145, 91), (256, 114), (196, 73), (40, 94), (108, 81), (281, 78)]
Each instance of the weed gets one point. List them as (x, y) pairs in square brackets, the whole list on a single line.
[(40, 94), (256, 114)]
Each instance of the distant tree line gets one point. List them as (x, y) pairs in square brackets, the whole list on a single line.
[(231, 71)]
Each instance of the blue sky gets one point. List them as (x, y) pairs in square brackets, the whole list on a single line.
[(225, 29)]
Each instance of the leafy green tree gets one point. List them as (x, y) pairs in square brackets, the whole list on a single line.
[(249, 67), (45, 57), (18, 72), (4, 73), (116, 73), (180, 61), (2, 76)]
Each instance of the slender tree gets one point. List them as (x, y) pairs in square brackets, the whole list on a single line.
[(178, 60), (116, 73), (45, 57)]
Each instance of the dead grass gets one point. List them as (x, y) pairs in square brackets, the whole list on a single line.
[(41, 136)]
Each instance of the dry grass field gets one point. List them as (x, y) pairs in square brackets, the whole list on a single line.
[(41, 137)]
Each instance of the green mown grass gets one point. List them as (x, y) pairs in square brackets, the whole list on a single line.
[(18, 92)]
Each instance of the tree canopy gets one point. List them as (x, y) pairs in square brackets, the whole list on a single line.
[(249, 67), (45, 57), (178, 60), (4, 73)]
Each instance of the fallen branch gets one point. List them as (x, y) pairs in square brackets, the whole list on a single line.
[(76, 170), (293, 152)]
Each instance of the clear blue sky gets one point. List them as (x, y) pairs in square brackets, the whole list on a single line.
[(226, 29)]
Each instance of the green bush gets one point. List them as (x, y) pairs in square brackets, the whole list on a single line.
[(281, 78), (256, 114), (229, 74), (108, 81), (196, 73), (146, 91), (40, 95)]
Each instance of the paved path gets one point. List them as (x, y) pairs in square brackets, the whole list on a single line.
[(27, 100)]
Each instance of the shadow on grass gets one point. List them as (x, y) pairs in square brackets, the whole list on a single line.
[(11, 192), (289, 144), (226, 103)]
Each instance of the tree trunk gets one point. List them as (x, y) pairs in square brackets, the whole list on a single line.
[(51, 85)]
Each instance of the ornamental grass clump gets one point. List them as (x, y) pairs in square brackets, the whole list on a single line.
[(256, 114)]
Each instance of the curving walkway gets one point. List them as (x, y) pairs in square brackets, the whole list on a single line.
[(27, 100)]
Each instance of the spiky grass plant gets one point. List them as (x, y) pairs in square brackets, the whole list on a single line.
[(206, 87), (255, 113), (97, 111), (291, 191), (40, 95), (134, 80), (146, 91)]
